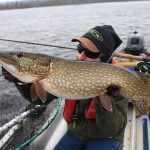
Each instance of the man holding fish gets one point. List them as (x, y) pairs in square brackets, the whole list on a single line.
[(91, 126), (96, 123)]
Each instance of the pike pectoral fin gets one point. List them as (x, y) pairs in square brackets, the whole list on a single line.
[(106, 101), (41, 92), (141, 107), (33, 92)]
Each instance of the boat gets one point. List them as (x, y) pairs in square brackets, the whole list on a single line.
[(14, 133)]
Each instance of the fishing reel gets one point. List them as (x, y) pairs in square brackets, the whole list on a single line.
[(143, 67)]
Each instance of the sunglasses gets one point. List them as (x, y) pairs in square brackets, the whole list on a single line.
[(87, 52)]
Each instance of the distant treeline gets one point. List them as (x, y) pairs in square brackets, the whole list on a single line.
[(16, 4)]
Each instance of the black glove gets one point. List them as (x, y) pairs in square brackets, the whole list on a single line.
[(9, 77), (113, 90)]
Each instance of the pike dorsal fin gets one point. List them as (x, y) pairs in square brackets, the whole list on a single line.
[(33, 92), (40, 92), (141, 108), (106, 101)]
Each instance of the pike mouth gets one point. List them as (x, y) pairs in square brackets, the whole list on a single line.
[(10, 62), (24, 77), (26, 67), (6, 58)]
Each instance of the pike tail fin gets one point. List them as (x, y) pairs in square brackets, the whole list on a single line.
[(141, 108)]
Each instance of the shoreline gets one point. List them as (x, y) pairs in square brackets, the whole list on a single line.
[(43, 3)]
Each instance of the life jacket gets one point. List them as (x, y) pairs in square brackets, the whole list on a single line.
[(70, 106), (113, 62)]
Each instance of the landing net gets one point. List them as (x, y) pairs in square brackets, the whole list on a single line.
[(20, 121)]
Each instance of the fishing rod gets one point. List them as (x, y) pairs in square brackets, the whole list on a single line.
[(119, 55), (34, 43)]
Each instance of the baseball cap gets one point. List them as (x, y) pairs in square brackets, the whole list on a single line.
[(103, 38)]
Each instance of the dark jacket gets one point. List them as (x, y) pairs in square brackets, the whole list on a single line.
[(107, 124)]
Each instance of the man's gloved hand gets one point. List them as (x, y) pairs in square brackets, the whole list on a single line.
[(113, 90), (9, 77)]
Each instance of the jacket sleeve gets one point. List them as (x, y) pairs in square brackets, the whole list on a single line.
[(114, 122), (25, 92)]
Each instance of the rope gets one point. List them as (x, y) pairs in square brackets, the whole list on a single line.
[(33, 43), (44, 128)]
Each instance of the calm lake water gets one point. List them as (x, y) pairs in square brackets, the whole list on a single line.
[(57, 25)]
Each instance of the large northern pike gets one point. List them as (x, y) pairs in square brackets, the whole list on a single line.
[(75, 79)]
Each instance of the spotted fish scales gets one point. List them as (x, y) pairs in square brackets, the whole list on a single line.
[(74, 79)]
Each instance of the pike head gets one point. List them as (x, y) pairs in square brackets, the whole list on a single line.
[(27, 67)]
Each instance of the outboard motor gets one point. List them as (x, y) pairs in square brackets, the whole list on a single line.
[(135, 44)]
